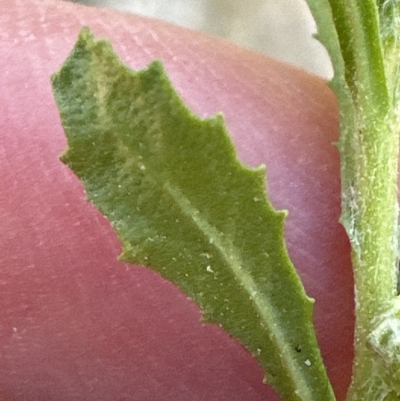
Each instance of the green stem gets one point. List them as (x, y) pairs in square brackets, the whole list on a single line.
[(361, 37), (372, 209), (370, 206), (369, 152)]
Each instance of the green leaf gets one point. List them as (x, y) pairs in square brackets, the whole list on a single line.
[(183, 205), (362, 38)]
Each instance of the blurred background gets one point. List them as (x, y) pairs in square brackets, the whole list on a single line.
[(279, 28)]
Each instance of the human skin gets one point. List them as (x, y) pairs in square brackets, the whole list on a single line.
[(76, 324)]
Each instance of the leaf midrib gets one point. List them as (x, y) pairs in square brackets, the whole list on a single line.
[(234, 262)]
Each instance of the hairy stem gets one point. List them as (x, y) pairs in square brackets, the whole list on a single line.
[(370, 206), (371, 222), (361, 37)]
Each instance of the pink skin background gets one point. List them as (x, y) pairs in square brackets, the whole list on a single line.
[(76, 324)]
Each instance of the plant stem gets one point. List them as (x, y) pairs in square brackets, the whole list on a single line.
[(362, 38), (371, 223), (369, 152)]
